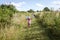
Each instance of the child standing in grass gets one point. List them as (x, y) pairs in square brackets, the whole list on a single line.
[(29, 21)]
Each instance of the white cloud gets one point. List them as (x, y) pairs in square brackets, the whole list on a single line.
[(39, 5), (56, 2), (18, 5)]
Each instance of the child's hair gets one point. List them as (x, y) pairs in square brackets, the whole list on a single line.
[(27, 17)]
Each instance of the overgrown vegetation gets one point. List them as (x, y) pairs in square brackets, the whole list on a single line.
[(13, 24), (50, 23), (6, 13)]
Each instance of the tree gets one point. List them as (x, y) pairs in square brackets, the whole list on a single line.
[(46, 9), (6, 13), (38, 11), (30, 11)]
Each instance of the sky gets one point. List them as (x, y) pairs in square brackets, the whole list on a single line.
[(24, 5)]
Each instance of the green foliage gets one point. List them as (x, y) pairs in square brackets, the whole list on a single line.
[(38, 11), (30, 11), (46, 9), (6, 13), (45, 26), (50, 23)]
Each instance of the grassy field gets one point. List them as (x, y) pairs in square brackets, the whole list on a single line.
[(18, 30)]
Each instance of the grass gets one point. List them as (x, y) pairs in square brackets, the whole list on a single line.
[(19, 30)]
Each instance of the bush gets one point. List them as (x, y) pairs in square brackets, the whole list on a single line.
[(50, 23), (6, 13)]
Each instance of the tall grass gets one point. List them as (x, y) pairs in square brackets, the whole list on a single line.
[(45, 26)]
